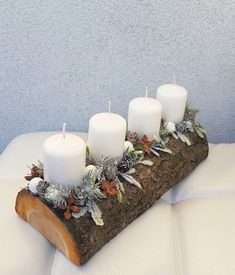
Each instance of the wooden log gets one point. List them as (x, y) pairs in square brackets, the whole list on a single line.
[(79, 239)]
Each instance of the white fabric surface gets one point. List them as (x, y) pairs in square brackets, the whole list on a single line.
[(206, 236), (145, 247), (214, 177), (191, 231)]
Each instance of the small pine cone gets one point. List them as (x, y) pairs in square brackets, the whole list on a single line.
[(80, 196), (42, 186), (110, 171), (125, 164), (36, 172), (132, 137), (190, 115), (181, 127), (53, 193)]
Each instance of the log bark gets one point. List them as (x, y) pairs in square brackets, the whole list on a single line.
[(80, 239)]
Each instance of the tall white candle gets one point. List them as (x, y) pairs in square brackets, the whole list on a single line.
[(106, 135), (173, 99), (144, 116), (64, 159)]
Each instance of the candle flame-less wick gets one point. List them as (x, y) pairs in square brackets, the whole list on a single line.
[(109, 106), (146, 91), (63, 130)]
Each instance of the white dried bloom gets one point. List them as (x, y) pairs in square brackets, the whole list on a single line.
[(170, 126), (128, 146)]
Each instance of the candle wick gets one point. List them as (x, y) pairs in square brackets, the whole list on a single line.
[(63, 130), (109, 106), (146, 91), (174, 80)]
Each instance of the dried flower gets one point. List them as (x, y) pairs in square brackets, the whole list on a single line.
[(146, 144), (109, 187), (69, 208)]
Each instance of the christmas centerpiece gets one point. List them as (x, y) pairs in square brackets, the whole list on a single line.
[(81, 196)]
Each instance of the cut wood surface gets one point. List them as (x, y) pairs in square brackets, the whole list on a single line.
[(79, 239)]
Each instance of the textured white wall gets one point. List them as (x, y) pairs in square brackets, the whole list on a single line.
[(63, 60)]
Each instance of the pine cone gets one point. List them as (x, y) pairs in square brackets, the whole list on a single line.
[(55, 194), (190, 114), (42, 186), (181, 127), (80, 195), (125, 164), (36, 172), (132, 137), (110, 171)]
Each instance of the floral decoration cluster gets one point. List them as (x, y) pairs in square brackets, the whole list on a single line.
[(180, 130), (104, 178)]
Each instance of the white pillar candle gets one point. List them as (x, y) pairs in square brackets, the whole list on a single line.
[(106, 135), (173, 99), (64, 159), (144, 116)]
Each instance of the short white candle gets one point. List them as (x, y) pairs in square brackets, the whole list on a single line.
[(173, 99), (144, 116), (106, 135), (64, 159)]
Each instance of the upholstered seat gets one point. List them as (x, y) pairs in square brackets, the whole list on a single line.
[(190, 231)]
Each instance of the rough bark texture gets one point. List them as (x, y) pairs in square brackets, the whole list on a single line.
[(80, 239)]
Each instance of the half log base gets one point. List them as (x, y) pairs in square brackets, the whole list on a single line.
[(79, 239)]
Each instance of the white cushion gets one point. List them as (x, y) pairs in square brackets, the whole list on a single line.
[(212, 178), (192, 236), (206, 236), (145, 247)]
